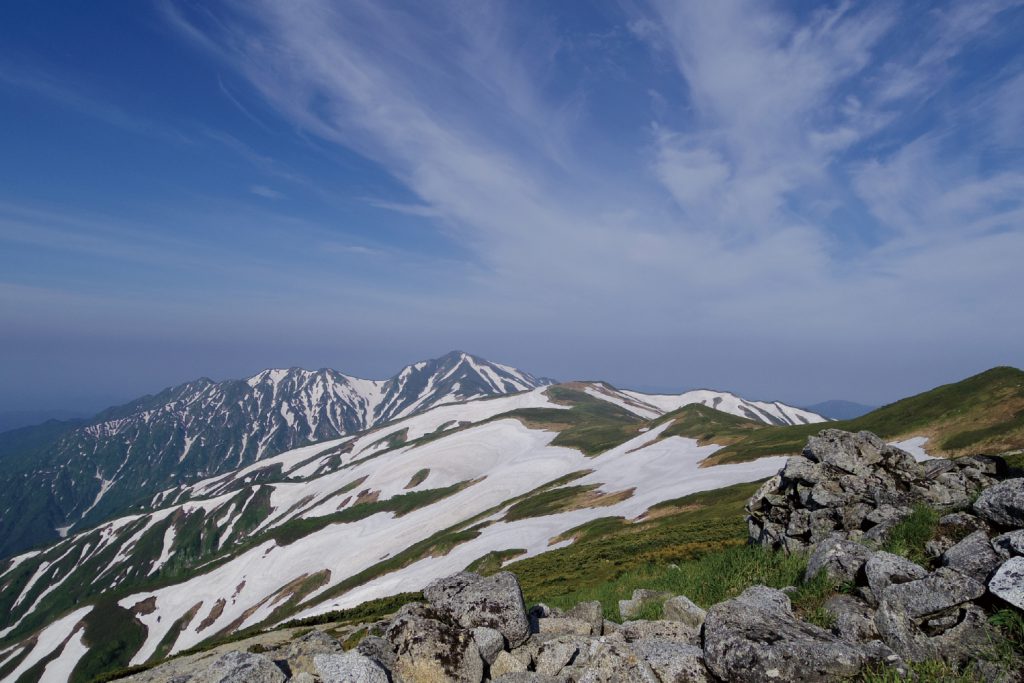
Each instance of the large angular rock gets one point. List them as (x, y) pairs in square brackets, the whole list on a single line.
[(591, 612), (854, 621), (239, 667), (348, 667), (1009, 544), (472, 600), (1002, 504), (681, 608), (673, 662), (429, 650), (755, 637), (956, 636), (937, 592), (840, 559), (505, 663), (850, 453), (885, 569), (973, 557), (489, 642), (556, 654), (1008, 582), (609, 661)]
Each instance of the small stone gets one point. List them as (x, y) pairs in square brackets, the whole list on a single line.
[(1009, 544), (563, 626), (681, 608), (554, 655), (661, 629)]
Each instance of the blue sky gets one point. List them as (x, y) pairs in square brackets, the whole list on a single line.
[(791, 200)]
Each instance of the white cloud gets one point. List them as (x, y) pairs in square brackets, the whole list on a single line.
[(266, 192)]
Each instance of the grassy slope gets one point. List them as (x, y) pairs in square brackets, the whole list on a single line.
[(983, 413)]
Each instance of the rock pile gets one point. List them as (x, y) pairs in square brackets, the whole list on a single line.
[(846, 488), (860, 487)]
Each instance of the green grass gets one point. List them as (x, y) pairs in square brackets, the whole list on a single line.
[(981, 413), (908, 537), (113, 635), (492, 562), (547, 502), (707, 425), (418, 478)]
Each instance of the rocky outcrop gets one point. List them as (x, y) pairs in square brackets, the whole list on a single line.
[(859, 487), (837, 502)]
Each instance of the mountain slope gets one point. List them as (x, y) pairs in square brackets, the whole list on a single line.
[(203, 427), (981, 414), (652, 405), (334, 524), (840, 410)]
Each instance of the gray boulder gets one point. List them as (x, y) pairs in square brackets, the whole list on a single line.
[(1002, 504), (489, 642), (609, 661), (590, 612), (840, 559), (681, 608), (885, 569), (428, 649), (677, 631), (937, 592), (673, 662), (300, 652), (564, 626), (1009, 544), (755, 637), (348, 667), (377, 649), (973, 557), (854, 621), (472, 600), (556, 654), (505, 663), (1008, 582), (239, 667)]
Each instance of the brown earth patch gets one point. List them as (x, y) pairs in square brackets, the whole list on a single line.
[(214, 615)]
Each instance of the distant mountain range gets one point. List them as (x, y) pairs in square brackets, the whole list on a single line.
[(59, 476), (330, 525), (840, 410)]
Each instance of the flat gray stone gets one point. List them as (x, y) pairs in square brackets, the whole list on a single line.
[(885, 569), (1002, 504), (489, 642), (348, 667), (973, 557), (839, 558), (1008, 582), (681, 608)]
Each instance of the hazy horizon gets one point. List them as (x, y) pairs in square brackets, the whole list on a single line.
[(791, 202)]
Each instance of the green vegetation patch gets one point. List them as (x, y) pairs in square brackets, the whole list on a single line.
[(492, 562), (418, 478), (707, 425), (910, 535), (113, 635)]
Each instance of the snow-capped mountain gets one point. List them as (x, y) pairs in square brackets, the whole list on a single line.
[(652, 405), (331, 525), (204, 427)]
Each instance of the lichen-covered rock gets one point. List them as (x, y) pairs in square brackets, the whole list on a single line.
[(472, 600), (563, 626), (430, 650), (1008, 582), (239, 667), (505, 663), (300, 652), (379, 650), (885, 569), (556, 654), (489, 642), (1003, 504), (755, 637), (681, 608), (858, 486), (609, 661), (661, 629), (854, 621), (673, 662), (973, 557), (348, 667), (526, 677), (591, 612), (840, 559), (1009, 544)]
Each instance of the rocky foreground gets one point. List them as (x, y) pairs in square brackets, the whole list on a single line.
[(838, 501)]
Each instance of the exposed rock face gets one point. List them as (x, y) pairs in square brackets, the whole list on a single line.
[(973, 557), (840, 559), (349, 667), (239, 667), (495, 602), (755, 638), (858, 486), (429, 650), (1003, 504), (1008, 582), (885, 569)]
